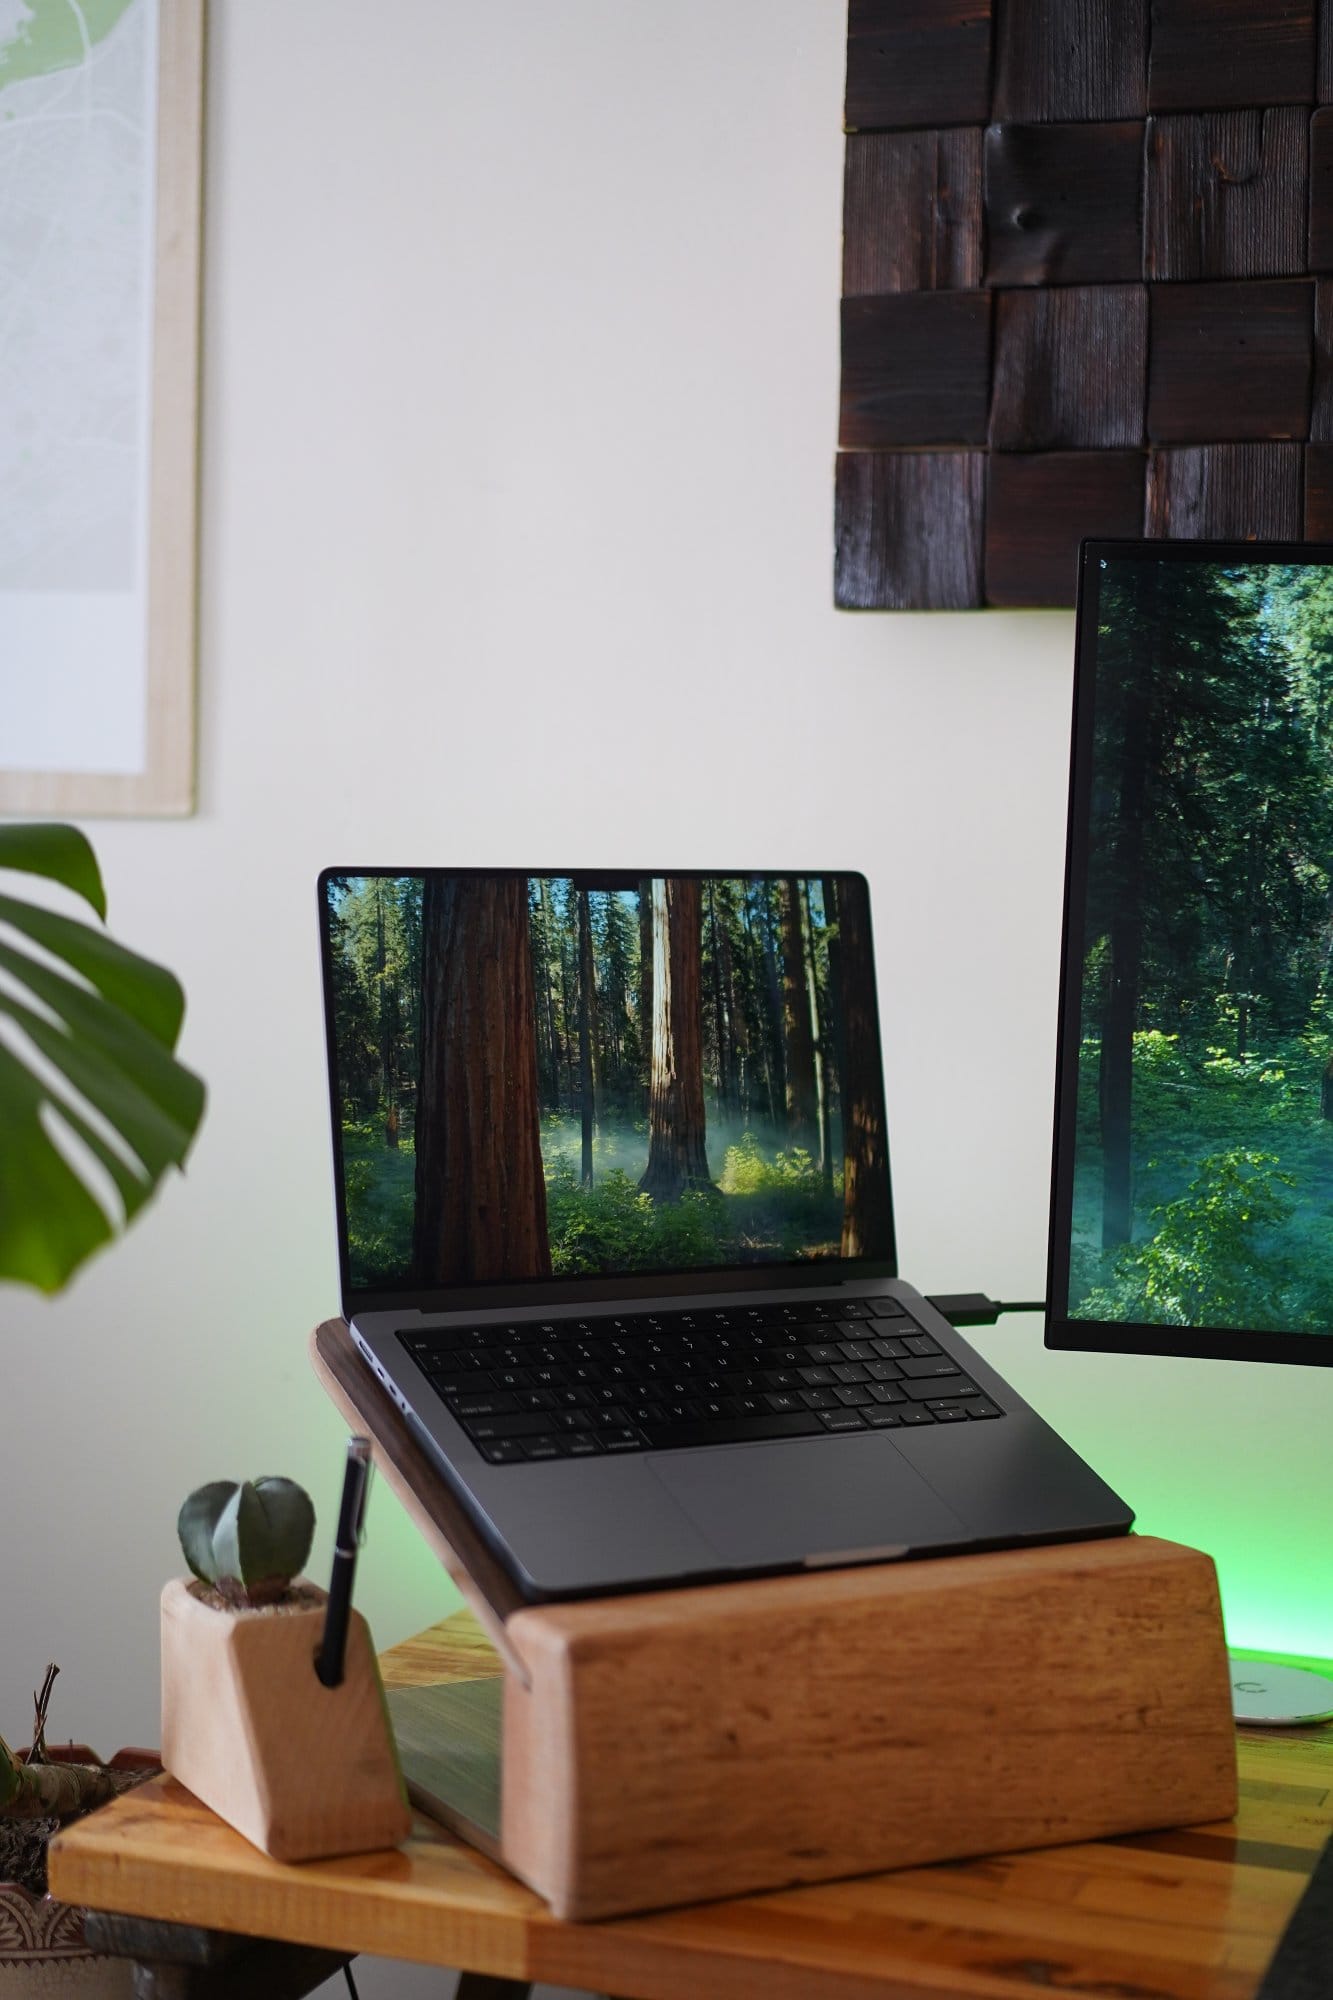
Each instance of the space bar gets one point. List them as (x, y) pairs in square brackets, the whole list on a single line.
[(665, 1437)]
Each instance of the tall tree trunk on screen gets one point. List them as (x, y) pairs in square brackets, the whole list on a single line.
[(867, 1229), (677, 1158), (819, 1029), (646, 983), (802, 1107), (480, 1193), (588, 1104)]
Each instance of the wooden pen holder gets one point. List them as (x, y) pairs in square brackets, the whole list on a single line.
[(300, 1769), (681, 1745)]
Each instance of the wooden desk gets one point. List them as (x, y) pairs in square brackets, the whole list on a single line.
[(1187, 1915)]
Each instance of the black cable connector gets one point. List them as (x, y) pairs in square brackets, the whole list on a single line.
[(976, 1309)]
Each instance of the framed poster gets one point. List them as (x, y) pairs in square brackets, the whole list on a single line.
[(101, 112)]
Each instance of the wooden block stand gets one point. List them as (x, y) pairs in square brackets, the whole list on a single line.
[(681, 1745)]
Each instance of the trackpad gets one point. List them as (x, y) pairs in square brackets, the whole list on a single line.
[(773, 1503)]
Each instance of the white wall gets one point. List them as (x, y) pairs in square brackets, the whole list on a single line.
[(520, 383)]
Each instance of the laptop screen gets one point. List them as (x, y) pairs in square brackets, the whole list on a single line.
[(546, 1077)]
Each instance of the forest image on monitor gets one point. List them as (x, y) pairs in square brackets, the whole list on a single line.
[(552, 1076), (1203, 1156)]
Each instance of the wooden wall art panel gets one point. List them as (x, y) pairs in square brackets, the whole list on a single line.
[(1087, 287)]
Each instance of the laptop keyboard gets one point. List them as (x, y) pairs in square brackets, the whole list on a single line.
[(579, 1388)]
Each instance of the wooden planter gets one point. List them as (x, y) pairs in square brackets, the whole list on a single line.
[(680, 1745), (300, 1769)]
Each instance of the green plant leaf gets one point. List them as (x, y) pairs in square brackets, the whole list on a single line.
[(105, 1026), (198, 1517), (61, 853)]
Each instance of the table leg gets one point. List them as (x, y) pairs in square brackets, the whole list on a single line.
[(489, 1986), (187, 1962)]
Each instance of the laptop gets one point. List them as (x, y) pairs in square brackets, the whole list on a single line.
[(616, 1232)]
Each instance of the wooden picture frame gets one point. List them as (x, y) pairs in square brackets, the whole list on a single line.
[(165, 783)]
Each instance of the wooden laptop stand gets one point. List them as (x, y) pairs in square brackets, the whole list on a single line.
[(675, 1746)]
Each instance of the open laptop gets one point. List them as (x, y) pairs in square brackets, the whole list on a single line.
[(616, 1232)]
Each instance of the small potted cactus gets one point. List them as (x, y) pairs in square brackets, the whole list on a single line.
[(300, 1768)]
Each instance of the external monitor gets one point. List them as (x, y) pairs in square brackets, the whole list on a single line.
[(1193, 1158)]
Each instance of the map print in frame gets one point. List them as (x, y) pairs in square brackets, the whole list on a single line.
[(100, 132)]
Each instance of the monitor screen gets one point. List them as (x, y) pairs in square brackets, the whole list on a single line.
[(1192, 1207), (539, 1077)]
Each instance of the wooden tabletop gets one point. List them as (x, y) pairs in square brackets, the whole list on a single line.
[(1188, 1915)]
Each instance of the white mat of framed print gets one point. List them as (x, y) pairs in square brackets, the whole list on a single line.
[(101, 112)]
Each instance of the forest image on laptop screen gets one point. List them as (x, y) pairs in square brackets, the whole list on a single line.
[(1203, 1150), (552, 1076)]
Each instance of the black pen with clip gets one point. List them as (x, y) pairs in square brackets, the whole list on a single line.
[(329, 1659)]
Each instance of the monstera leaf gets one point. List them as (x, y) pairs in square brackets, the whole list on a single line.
[(94, 1107)]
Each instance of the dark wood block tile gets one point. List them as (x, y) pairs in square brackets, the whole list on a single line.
[(1064, 203), (1071, 368), (1233, 359), (1227, 492), (1208, 55), (1039, 508), (917, 62), (1319, 493), (915, 369), (1071, 59), (1320, 246), (1321, 401), (911, 212), (1227, 194), (909, 530)]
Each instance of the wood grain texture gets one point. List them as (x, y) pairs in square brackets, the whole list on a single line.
[(1064, 203), (1212, 54), (1319, 493), (909, 531), (1040, 505), (1319, 249), (672, 1746), (1188, 1914), (1071, 59), (1324, 53), (915, 370), (912, 212), (1226, 194), (1230, 358), (1226, 492), (300, 1769), (1071, 368), (1321, 400), (917, 62)]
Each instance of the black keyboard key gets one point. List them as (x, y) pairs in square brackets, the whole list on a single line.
[(915, 1413), (841, 1420), (927, 1365), (921, 1343), (887, 1309), (611, 1419), (488, 1430), (851, 1371), (507, 1451), (450, 1386), (887, 1392), (573, 1399), (582, 1444), (949, 1413), (823, 1351), (883, 1371), (513, 1378), (483, 1406), (890, 1350), (737, 1430), (647, 1413), (819, 1399), (536, 1399), (881, 1420), (780, 1378), (544, 1447), (856, 1350), (981, 1408), (572, 1420), (938, 1388), (817, 1378), (783, 1404), (954, 1397), (855, 1309), (852, 1394), (622, 1440)]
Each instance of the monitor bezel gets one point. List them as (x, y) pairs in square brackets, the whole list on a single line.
[(1116, 1336), (559, 1292)]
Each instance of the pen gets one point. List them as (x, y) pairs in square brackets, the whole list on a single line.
[(351, 1514)]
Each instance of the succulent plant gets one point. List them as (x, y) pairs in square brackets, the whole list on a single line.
[(247, 1540)]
